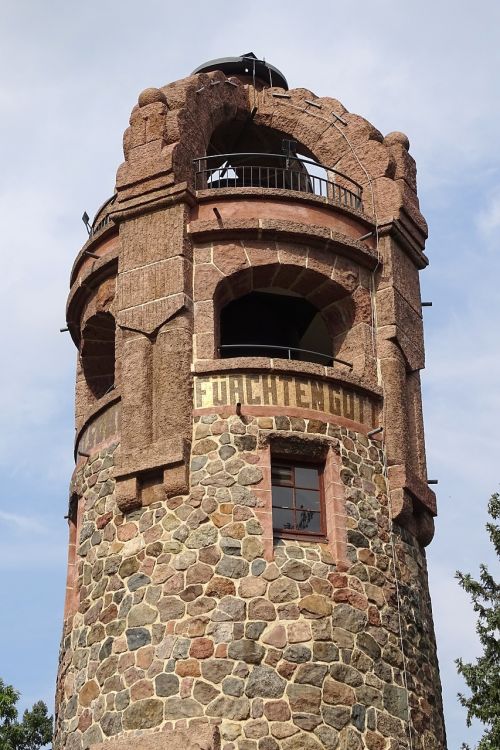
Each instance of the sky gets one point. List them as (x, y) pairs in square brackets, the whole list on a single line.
[(70, 75)]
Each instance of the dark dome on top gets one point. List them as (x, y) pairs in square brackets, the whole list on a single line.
[(246, 65)]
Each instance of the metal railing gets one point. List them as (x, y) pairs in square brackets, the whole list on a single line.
[(100, 224), (267, 350), (105, 220), (276, 171)]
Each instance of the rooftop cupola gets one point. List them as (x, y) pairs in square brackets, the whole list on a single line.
[(247, 67)]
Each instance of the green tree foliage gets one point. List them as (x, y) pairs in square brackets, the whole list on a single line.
[(32, 732), (483, 676)]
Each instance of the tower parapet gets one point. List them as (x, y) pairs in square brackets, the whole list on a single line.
[(246, 566)]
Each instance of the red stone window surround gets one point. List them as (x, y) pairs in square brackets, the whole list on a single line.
[(334, 518), (74, 524)]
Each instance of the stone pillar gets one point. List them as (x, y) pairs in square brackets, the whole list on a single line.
[(393, 376)]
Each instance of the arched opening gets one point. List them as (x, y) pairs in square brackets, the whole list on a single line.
[(276, 323), (97, 353), (241, 154)]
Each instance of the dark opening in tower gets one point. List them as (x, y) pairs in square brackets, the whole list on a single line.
[(274, 323), (242, 154), (98, 353)]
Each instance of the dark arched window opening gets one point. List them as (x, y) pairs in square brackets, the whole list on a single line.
[(98, 353), (241, 154), (274, 323)]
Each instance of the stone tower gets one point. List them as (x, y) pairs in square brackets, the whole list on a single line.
[(250, 505)]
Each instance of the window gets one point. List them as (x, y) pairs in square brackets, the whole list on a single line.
[(297, 498)]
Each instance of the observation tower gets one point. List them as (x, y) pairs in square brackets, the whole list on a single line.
[(250, 503)]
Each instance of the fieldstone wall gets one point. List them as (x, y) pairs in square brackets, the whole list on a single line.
[(183, 621)]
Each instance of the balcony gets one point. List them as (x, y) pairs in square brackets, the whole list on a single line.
[(277, 172), (280, 352), (102, 218)]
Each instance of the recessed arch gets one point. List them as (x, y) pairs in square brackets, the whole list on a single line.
[(97, 352), (242, 133), (241, 153), (274, 322), (210, 105), (304, 310)]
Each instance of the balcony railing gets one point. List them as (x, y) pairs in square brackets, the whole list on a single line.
[(283, 352), (101, 219), (279, 172)]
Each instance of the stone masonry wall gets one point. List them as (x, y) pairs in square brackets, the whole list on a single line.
[(183, 620)]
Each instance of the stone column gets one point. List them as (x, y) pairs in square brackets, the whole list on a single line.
[(393, 375)]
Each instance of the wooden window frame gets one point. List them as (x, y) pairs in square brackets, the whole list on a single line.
[(309, 536)]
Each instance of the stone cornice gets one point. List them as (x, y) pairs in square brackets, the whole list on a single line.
[(244, 194), (289, 230), (93, 245), (402, 478), (148, 202), (411, 242)]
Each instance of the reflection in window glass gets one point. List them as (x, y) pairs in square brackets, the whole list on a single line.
[(308, 521), (296, 498), (282, 474), (283, 497), (283, 518), (305, 477), (308, 499)]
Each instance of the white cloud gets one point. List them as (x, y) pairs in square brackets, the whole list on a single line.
[(34, 556), (488, 220), (29, 544), (23, 523), (454, 619), (455, 626)]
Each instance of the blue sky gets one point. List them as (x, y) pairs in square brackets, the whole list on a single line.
[(71, 73)]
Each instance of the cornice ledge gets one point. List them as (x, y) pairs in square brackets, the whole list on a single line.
[(149, 202), (270, 194), (268, 228), (91, 245), (402, 478), (413, 243)]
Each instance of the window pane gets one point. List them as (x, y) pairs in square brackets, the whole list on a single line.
[(282, 496), (296, 499), (281, 474), (306, 477), (282, 519), (307, 499), (307, 520)]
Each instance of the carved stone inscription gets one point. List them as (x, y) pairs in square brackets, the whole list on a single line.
[(102, 429), (253, 389)]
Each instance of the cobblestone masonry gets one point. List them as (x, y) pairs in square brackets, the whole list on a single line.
[(182, 620)]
